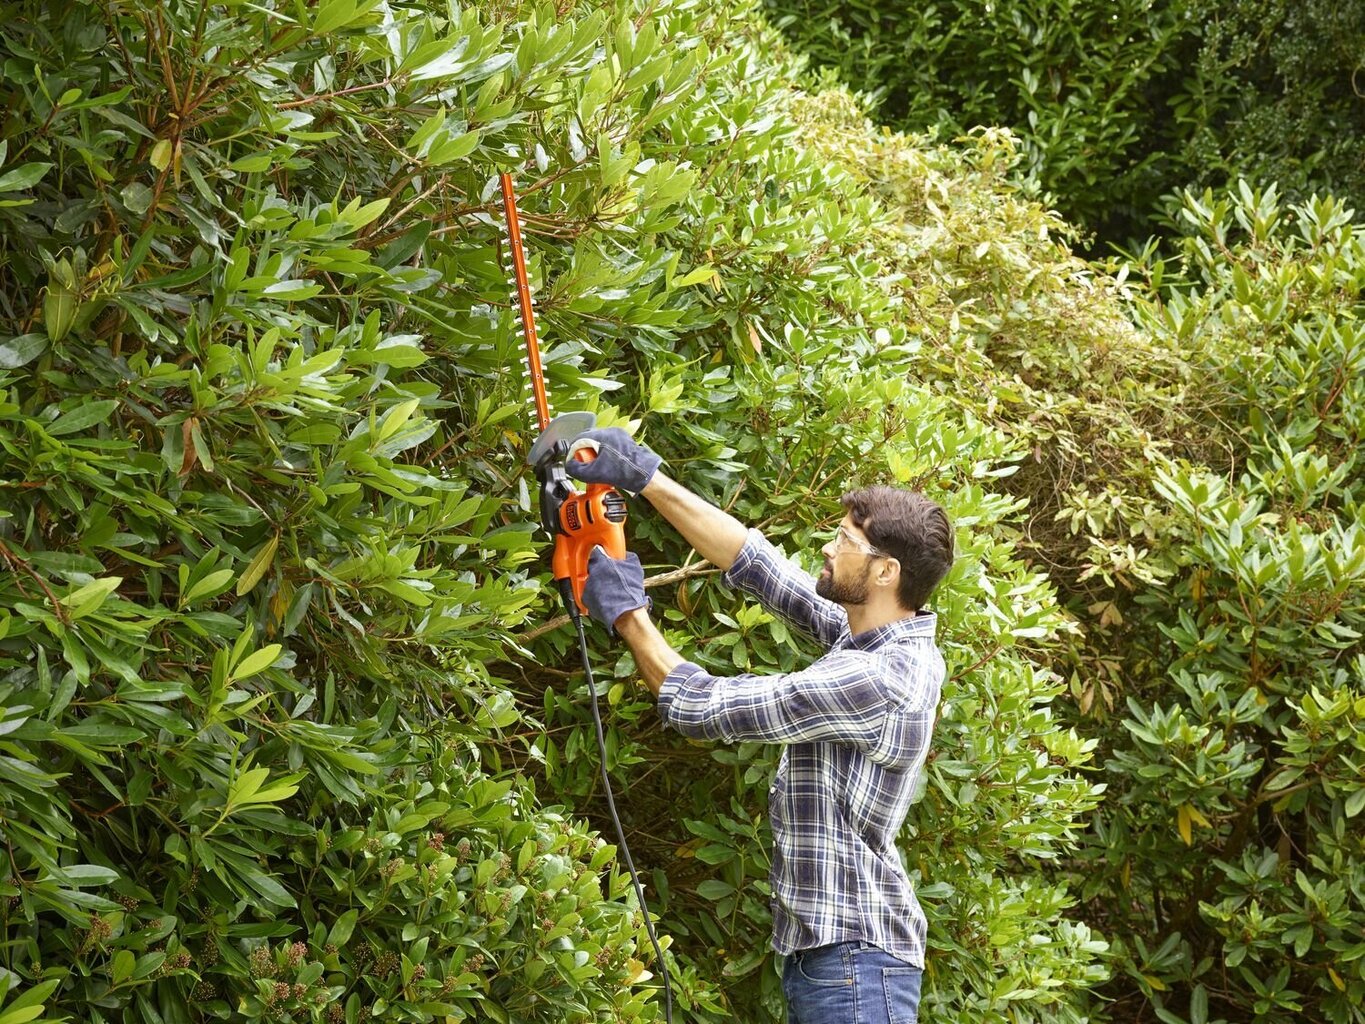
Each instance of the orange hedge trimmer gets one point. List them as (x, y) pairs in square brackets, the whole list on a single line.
[(578, 521)]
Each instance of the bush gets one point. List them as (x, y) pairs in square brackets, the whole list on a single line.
[(284, 732), (1237, 786), (1190, 423), (247, 601), (1116, 104)]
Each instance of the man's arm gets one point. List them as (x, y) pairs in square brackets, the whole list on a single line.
[(654, 658), (841, 699), (717, 535), (719, 538), (629, 466), (749, 563)]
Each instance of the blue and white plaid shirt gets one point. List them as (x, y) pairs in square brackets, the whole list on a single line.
[(856, 725)]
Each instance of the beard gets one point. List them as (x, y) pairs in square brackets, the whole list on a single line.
[(844, 592)]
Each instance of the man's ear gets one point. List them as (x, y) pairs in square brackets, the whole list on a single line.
[(890, 572)]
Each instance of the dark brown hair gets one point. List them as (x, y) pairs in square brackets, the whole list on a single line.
[(910, 528)]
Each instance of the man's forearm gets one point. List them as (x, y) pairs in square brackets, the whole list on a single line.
[(653, 656), (717, 535)]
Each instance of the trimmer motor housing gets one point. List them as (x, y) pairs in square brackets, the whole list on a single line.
[(578, 520)]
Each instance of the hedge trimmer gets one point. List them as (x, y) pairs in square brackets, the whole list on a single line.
[(578, 521)]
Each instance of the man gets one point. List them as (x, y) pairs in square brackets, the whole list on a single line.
[(855, 724)]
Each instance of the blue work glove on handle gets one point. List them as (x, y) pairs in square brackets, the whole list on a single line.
[(614, 586), (620, 461)]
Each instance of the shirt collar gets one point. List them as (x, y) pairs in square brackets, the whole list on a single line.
[(921, 625)]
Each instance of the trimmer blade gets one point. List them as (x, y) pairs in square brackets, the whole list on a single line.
[(564, 427)]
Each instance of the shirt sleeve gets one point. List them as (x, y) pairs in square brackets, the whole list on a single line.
[(761, 571), (840, 699)]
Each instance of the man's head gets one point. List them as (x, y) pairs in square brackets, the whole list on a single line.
[(890, 538)]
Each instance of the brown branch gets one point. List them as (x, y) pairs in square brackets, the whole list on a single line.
[(97, 814), (440, 183), (662, 580), (978, 663), (18, 563), (319, 96)]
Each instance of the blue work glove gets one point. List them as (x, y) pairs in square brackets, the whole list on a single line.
[(614, 586), (620, 461)]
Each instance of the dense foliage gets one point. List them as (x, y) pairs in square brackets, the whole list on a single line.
[(290, 729), (286, 734), (1116, 104), (1245, 702)]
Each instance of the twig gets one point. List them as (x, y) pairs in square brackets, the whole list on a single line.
[(662, 580), (316, 97), (978, 663), (19, 563)]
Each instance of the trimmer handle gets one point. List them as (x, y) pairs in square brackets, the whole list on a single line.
[(585, 520)]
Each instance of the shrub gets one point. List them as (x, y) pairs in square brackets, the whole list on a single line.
[(284, 731), (1190, 424), (256, 559), (1116, 104), (1237, 787)]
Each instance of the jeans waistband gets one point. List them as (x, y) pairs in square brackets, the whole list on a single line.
[(851, 945)]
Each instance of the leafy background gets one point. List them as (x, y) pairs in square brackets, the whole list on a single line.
[(1116, 105), (289, 729)]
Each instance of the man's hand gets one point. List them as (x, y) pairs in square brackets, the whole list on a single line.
[(620, 461), (614, 586)]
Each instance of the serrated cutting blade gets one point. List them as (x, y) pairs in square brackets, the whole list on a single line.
[(521, 297)]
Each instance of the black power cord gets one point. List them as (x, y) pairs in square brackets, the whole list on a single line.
[(567, 592)]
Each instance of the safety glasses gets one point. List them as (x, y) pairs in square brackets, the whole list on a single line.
[(843, 541)]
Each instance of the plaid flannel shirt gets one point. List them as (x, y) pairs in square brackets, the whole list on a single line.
[(856, 727)]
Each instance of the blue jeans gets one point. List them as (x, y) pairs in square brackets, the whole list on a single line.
[(850, 983)]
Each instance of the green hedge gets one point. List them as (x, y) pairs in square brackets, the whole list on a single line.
[(1245, 720), (1116, 104), (288, 729), (1192, 422)]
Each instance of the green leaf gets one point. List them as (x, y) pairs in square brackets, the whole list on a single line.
[(395, 418), (23, 176), (148, 964), (1355, 802), (256, 662), (211, 585), (454, 149), (137, 197), (343, 928), (88, 874), (714, 889), (16, 352), (292, 290), (121, 968), (87, 599), (81, 417), (160, 157), (59, 310), (357, 216), (253, 163), (29, 1004), (697, 275), (333, 15), (245, 785), (270, 890), (258, 565)]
